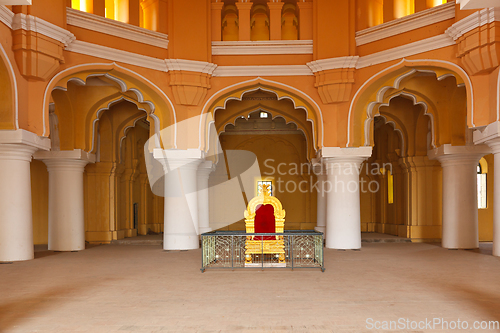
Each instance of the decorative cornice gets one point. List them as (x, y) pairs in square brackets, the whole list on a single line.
[(287, 70), (262, 47), (6, 16), (190, 65), (333, 63), (476, 20), (115, 28), (425, 45), (109, 53), (35, 24), (407, 23)]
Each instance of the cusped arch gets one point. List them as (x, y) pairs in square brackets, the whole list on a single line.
[(8, 93), (374, 90), (373, 111), (130, 83), (282, 91)]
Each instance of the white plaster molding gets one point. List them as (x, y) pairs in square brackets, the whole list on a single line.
[(286, 70), (477, 4), (486, 133), (448, 149), (6, 16), (16, 2), (262, 47), (478, 19), (407, 23), (109, 53), (327, 152), (21, 136), (35, 24), (333, 63), (190, 65), (421, 46), (107, 26), (76, 154)]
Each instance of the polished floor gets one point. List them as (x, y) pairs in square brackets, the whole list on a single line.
[(119, 288)]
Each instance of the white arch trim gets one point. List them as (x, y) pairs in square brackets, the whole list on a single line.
[(110, 104), (370, 116), (123, 86), (125, 130), (16, 97), (210, 100), (278, 116), (396, 129), (401, 77)]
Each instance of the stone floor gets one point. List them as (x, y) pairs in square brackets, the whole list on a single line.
[(116, 288)]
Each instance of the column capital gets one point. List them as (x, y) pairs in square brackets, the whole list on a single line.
[(247, 5), (179, 158), (76, 154), (275, 5), (217, 5), (75, 160), (205, 169), (485, 134), (337, 152), (456, 155), (16, 151), (25, 138)]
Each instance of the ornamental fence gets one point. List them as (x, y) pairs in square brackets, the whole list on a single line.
[(228, 249)]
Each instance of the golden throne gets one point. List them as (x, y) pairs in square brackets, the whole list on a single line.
[(264, 214)]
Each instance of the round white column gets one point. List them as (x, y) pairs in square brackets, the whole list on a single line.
[(495, 146), (66, 205), (16, 224), (460, 221), (204, 171), (181, 201), (321, 205), (343, 216)]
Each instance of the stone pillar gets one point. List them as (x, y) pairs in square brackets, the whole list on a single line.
[(217, 20), (181, 198), (321, 199), (275, 7), (244, 8), (16, 225), (204, 171), (343, 219), (460, 224), (66, 205), (491, 136), (495, 146), (305, 20)]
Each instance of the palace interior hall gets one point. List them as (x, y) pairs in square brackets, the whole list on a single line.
[(249, 165)]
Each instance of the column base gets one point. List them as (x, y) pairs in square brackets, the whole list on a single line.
[(205, 229), (320, 229), (181, 242)]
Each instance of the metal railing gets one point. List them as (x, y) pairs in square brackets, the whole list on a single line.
[(228, 249)]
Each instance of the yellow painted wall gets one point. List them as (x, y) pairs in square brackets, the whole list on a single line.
[(289, 149), (40, 201), (485, 216)]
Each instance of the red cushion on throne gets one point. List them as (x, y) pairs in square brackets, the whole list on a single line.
[(264, 222)]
